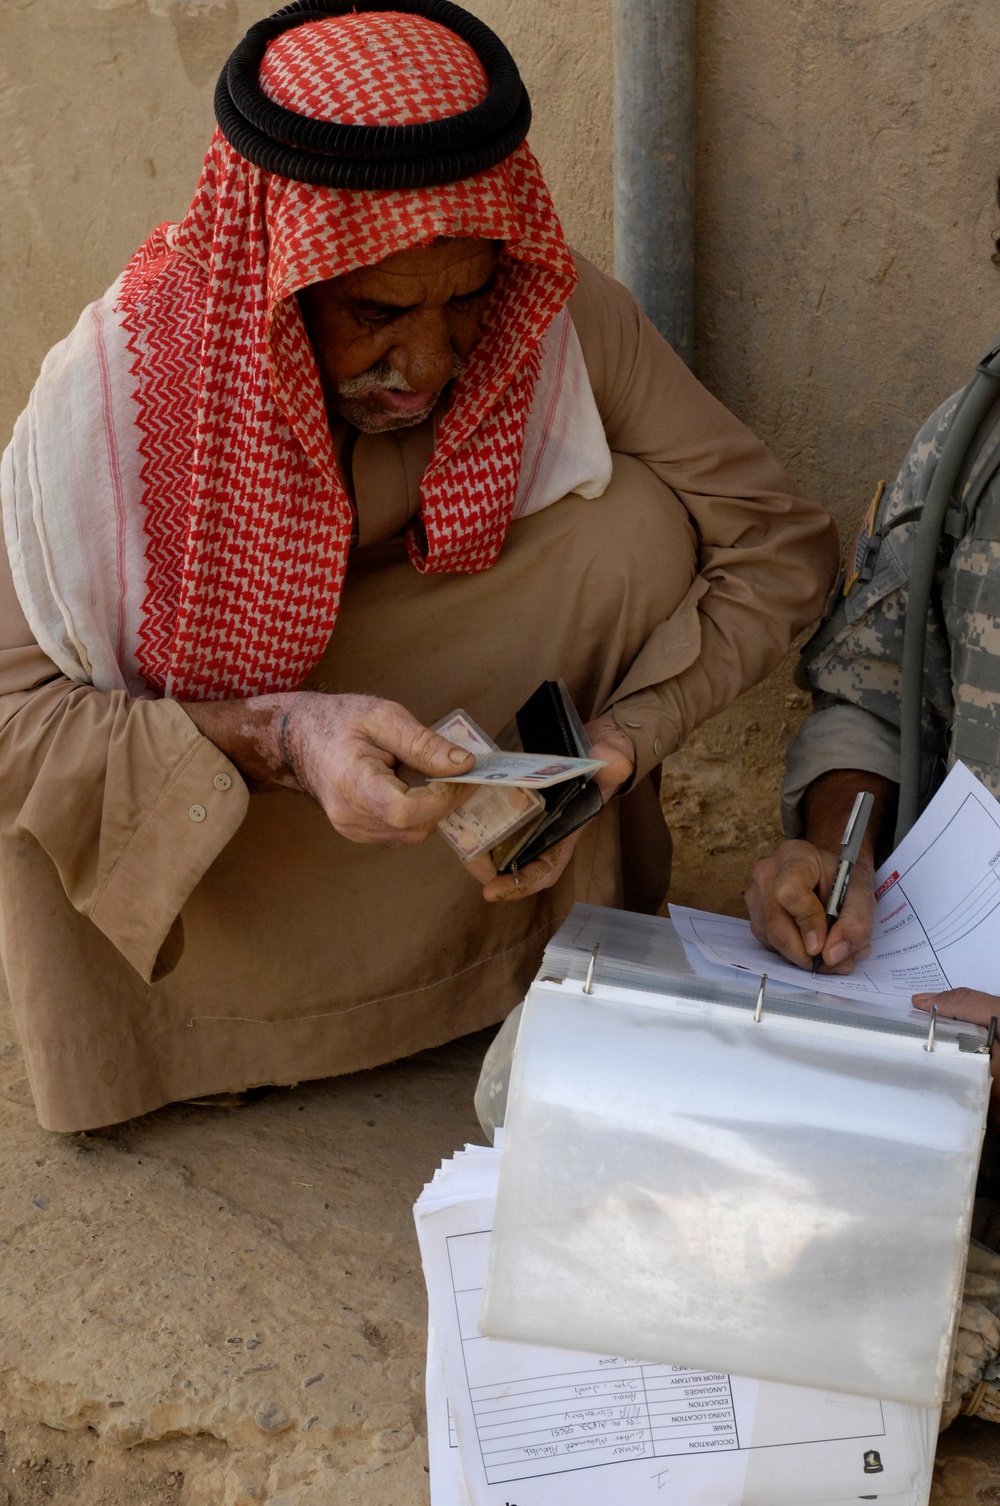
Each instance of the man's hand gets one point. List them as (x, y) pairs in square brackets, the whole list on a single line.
[(609, 742), (967, 1004), (789, 890), (345, 751), (786, 900), (976, 1008)]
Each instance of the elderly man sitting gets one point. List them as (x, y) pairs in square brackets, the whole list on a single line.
[(355, 443)]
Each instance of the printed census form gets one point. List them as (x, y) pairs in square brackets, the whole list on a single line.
[(939, 893), (533, 1426), (584, 1410)]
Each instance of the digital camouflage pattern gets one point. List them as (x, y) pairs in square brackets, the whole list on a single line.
[(854, 660)]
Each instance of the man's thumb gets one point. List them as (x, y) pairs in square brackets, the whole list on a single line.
[(433, 755)]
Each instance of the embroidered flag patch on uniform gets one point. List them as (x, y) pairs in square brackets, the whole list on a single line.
[(856, 558)]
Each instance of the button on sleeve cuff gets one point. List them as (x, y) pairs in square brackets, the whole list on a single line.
[(641, 718), (199, 808)]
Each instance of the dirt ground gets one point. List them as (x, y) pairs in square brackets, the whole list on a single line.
[(720, 794), (224, 1307)]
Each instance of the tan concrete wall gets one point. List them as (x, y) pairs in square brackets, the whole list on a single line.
[(847, 153)]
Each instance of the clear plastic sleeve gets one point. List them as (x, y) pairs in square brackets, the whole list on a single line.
[(788, 1199)]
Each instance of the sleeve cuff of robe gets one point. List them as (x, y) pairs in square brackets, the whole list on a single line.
[(838, 737), (641, 717), (199, 808)]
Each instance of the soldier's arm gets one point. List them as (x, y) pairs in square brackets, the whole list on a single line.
[(851, 741)]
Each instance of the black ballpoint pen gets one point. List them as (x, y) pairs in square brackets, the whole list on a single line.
[(850, 846)]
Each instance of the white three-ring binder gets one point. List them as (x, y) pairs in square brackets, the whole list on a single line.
[(698, 1174)]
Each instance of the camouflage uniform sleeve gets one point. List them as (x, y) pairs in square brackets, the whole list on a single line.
[(838, 736), (853, 662)]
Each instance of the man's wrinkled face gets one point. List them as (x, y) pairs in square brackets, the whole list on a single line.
[(389, 338)]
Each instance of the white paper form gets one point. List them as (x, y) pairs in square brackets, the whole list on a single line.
[(723, 941), (938, 914), (544, 1427), (447, 1475), (449, 1486), (937, 921)]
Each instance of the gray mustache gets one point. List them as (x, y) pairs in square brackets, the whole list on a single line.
[(381, 374)]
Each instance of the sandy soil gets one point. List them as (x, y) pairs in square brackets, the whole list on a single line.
[(720, 795)]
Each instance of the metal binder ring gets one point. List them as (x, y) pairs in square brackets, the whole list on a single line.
[(929, 1043)]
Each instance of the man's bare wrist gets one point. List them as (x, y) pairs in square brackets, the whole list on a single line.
[(285, 747), (257, 735), (828, 802)]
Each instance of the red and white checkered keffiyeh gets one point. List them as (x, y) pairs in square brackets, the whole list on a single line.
[(247, 520)]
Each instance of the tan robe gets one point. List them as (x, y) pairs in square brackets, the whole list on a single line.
[(167, 934)]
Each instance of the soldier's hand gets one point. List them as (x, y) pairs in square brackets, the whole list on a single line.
[(786, 903), (977, 1008)]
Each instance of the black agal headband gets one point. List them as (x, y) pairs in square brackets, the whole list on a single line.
[(353, 156)]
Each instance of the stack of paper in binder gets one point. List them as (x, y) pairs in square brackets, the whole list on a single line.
[(719, 1258)]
